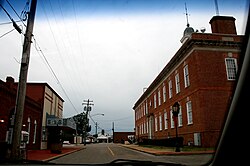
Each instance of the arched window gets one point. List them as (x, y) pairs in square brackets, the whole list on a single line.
[(35, 127), (28, 130)]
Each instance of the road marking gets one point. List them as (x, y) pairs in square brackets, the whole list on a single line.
[(111, 151)]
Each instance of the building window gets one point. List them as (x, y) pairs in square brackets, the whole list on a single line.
[(154, 100), (189, 112), (160, 122), (140, 132), (186, 76), (159, 97), (172, 118), (231, 67), (170, 88), (144, 127), (156, 123), (180, 117), (177, 83), (165, 119), (28, 130), (164, 93), (146, 107), (35, 128)]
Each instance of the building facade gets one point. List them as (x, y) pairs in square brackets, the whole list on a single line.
[(31, 117), (51, 104), (43, 107), (200, 77)]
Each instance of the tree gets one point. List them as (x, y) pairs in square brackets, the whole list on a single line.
[(82, 123)]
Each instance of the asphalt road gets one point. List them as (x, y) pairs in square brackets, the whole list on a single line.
[(108, 152)]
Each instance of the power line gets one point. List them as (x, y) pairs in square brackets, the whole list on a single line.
[(12, 20), (16, 12), (113, 120), (7, 33), (38, 49)]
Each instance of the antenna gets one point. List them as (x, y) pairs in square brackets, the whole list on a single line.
[(186, 14), (216, 7)]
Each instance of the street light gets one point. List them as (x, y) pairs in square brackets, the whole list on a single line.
[(175, 111), (96, 122)]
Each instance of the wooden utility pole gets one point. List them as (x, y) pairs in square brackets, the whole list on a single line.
[(21, 92), (87, 109)]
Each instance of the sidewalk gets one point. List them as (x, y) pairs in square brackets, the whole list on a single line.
[(165, 151), (46, 155)]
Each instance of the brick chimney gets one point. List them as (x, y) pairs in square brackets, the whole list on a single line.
[(10, 82), (223, 24)]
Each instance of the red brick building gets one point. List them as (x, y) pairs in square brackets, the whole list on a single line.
[(121, 137), (43, 111), (32, 120), (200, 76)]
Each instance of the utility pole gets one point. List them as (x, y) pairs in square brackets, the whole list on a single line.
[(113, 130), (87, 108), (96, 131), (21, 92)]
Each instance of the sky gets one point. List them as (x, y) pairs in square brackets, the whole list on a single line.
[(106, 51)]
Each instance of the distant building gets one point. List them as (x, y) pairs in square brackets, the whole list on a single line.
[(121, 137), (200, 76)]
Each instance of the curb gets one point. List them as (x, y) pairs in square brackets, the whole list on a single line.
[(61, 155), (161, 153)]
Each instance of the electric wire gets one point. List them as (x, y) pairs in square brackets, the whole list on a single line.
[(95, 122), (57, 47), (40, 52), (69, 53), (16, 12), (7, 33), (5, 23)]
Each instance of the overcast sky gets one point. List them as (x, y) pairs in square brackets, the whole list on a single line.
[(104, 50)]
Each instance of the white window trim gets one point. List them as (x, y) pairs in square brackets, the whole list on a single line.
[(159, 97), (28, 141), (177, 83), (35, 128), (170, 89), (165, 119), (190, 121), (180, 122), (160, 122), (171, 117), (155, 100), (164, 93), (186, 76), (156, 124), (236, 66)]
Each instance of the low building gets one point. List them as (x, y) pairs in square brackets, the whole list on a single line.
[(121, 137), (200, 77), (43, 114), (31, 123)]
